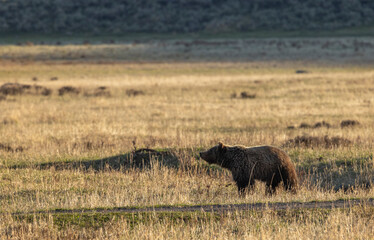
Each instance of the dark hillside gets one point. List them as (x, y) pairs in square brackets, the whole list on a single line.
[(121, 16)]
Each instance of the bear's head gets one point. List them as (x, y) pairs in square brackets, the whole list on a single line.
[(214, 155)]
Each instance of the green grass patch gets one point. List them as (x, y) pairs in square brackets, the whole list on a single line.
[(97, 220)]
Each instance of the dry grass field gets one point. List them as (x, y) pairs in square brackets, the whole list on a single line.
[(70, 128)]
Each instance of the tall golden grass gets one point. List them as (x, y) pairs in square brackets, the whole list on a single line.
[(185, 107)]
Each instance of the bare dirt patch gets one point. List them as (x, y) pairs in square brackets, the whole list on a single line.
[(343, 204)]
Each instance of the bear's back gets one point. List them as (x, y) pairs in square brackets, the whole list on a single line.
[(267, 155)]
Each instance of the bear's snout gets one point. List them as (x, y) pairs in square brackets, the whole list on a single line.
[(202, 155)]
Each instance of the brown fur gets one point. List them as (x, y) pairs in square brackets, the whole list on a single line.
[(247, 164)]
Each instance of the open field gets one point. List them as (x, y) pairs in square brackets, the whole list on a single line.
[(69, 135)]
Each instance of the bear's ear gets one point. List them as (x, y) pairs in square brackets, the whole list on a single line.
[(221, 148)]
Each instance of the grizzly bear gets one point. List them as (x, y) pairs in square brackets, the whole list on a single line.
[(247, 164)]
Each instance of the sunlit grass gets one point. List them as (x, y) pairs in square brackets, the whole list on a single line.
[(178, 111), (185, 107)]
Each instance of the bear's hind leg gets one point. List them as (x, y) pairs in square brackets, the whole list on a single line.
[(271, 188), (272, 185), (288, 184)]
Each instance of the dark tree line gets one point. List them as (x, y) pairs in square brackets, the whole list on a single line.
[(120, 16)]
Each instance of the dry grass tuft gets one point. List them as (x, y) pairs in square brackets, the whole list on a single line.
[(301, 71), (9, 121), (243, 95), (18, 89), (14, 88), (310, 141), (247, 95), (98, 92), (304, 125), (349, 123), (322, 124), (7, 148), (134, 92), (68, 90), (316, 125)]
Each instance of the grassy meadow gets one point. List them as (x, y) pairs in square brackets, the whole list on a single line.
[(73, 146)]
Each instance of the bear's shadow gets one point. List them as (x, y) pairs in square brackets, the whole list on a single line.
[(139, 159)]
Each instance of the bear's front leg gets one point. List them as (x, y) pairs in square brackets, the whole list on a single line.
[(252, 185), (242, 185)]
